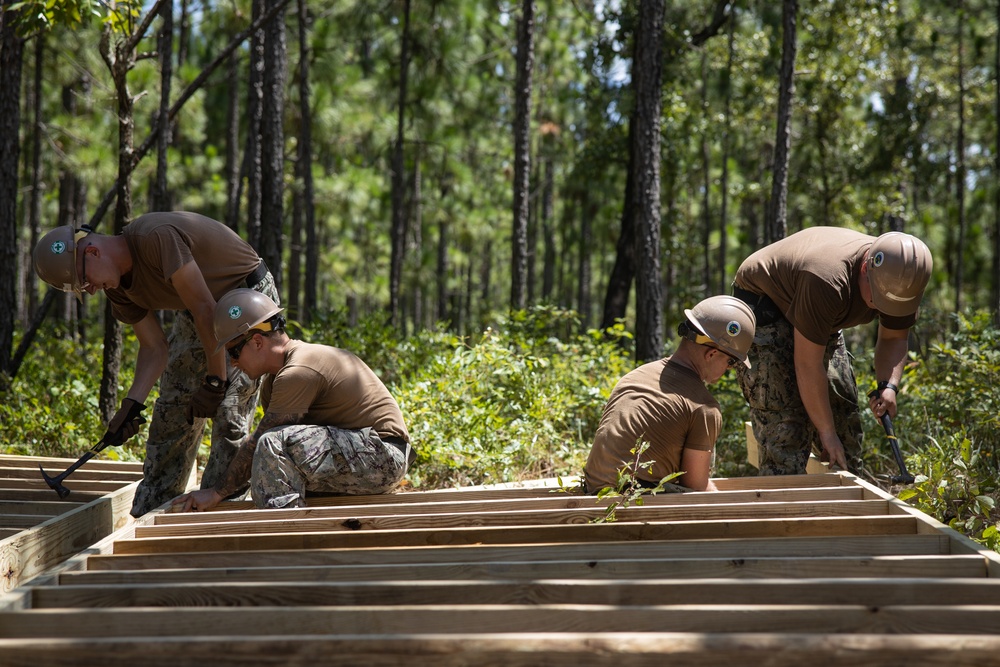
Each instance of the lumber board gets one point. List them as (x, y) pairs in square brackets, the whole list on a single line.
[(22, 521), (38, 507), (73, 483), (677, 530), (79, 497), (861, 546), (31, 552), (722, 483), (82, 473), (538, 517), (928, 524), (624, 568), (649, 591), (564, 501), (553, 649), (435, 619), (16, 460)]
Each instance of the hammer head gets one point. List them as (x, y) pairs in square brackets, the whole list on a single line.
[(55, 483)]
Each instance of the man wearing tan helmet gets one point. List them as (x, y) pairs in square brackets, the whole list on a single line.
[(667, 404), (168, 261), (805, 289), (329, 423)]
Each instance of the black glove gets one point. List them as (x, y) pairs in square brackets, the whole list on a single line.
[(207, 399), (125, 423)]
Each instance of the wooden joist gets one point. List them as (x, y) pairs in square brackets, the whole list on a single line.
[(39, 530), (787, 571)]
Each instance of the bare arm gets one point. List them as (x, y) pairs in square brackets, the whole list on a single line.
[(810, 374), (890, 357), (151, 359), (697, 466), (191, 287)]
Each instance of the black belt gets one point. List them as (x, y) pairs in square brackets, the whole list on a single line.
[(256, 276), (764, 309)]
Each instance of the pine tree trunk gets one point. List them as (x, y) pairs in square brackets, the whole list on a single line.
[(622, 272), (960, 163), (442, 270), (522, 155), (706, 181), (995, 300), (252, 157), (120, 58), (305, 166), (233, 180), (777, 218), (37, 185), (646, 78), (160, 197), (587, 213), (398, 231), (11, 60), (272, 139), (548, 230), (723, 285)]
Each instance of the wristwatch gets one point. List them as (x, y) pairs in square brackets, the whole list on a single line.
[(215, 382), (884, 384)]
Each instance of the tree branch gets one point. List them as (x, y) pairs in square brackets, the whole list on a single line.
[(719, 18), (190, 90)]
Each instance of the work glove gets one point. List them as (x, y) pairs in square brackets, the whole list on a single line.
[(207, 399), (125, 423)]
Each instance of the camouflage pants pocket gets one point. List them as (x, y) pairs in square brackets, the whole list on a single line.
[(293, 460)]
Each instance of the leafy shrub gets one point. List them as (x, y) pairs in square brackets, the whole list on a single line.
[(52, 406), (517, 403)]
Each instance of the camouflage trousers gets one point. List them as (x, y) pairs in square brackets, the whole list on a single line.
[(291, 460), (785, 434), (172, 444)]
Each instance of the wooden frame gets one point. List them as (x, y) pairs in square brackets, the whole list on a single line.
[(786, 571), (40, 530)]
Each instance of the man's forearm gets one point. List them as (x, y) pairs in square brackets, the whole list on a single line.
[(239, 470)]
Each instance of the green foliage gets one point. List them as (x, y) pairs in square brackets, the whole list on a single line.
[(37, 15), (957, 488), (52, 408), (517, 403), (524, 398), (627, 490), (948, 421)]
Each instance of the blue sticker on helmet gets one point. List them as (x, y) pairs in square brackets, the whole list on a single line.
[(878, 259), (733, 328), (235, 312), (59, 247)]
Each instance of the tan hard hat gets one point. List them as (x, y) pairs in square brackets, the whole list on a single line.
[(727, 322), (241, 310), (899, 266), (54, 257)]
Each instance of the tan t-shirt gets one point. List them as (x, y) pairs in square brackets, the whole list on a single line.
[(332, 387), (812, 277), (161, 243), (662, 403)]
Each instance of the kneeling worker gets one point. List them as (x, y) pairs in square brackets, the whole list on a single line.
[(667, 404), (329, 423)]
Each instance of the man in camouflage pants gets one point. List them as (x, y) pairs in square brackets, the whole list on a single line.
[(181, 262), (805, 289), (329, 423)]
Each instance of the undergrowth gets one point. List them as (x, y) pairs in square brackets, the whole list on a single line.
[(524, 398)]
